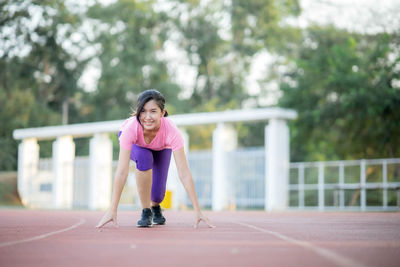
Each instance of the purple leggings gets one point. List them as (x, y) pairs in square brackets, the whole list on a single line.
[(147, 159)]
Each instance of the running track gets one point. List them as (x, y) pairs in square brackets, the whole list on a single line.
[(255, 238)]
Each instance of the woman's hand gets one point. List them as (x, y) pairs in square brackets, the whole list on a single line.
[(110, 216), (201, 217)]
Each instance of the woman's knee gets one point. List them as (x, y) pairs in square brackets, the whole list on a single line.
[(158, 198), (143, 158)]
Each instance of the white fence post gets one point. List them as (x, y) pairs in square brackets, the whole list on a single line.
[(28, 158), (100, 171), (301, 186), (224, 140), (363, 185), (276, 164), (384, 181), (321, 193), (63, 170), (341, 184)]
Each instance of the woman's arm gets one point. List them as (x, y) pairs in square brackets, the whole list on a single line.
[(119, 182), (120, 176), (186, 178)]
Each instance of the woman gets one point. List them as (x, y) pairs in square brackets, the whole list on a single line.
[(149, 138)]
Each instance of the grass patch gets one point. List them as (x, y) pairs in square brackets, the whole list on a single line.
[(8, 189)]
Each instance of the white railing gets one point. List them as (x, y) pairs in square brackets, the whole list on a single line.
[(200, 163), (354, 184), (247, 172), (246, 177), (334, 185), (81, 183)]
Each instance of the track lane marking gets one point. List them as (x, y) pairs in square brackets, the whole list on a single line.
[(330, 255), (11, 243)]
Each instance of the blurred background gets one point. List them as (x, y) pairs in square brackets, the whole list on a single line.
[(337, 63)]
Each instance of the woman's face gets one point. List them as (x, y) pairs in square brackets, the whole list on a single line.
[(150, 116)]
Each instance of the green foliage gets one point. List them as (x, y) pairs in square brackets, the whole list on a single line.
[(129, 34), (37, 72), (342, 87), (258, 20), (18, 109), (8, 189), (222, 54)]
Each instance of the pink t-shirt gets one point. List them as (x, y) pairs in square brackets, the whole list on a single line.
[(168, 136)]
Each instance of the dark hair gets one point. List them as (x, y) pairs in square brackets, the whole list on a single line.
[(145, 97)]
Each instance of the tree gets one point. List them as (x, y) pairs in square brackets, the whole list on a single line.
[(220, 40), (129, 35), (38, 72), (345, 88)]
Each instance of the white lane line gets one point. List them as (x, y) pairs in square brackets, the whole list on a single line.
[(332, 256), (6, 244)]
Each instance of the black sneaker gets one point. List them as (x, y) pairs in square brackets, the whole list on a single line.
[(146, 220), (158, 218)]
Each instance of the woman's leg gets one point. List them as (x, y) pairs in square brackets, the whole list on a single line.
[(144, 164), (160, 173), (143, 184)]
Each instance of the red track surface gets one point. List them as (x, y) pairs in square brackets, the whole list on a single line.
[(68, 238)]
